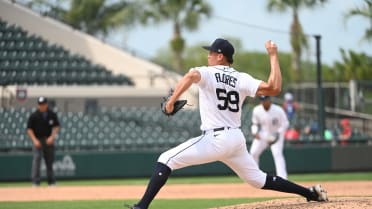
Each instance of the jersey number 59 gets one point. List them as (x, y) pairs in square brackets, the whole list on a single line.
[(230, 100)]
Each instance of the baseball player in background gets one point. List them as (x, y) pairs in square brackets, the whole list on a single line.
[(269, 123), (222, 91)]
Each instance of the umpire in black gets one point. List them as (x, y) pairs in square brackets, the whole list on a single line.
[(42, 128)]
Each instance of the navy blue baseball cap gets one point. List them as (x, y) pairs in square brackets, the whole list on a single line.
[(263, 98), (222, 46)]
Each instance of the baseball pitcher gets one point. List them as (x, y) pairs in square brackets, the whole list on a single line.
[(222, 90)]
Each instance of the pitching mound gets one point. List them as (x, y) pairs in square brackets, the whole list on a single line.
[(295, 203)]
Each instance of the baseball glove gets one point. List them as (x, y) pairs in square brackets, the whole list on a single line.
[(177, 105), (272, 138)]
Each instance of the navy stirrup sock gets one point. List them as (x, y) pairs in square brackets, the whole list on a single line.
[(279, 184), (157, 181)]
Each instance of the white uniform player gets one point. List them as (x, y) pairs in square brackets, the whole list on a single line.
[(270, 122), (221, 93)]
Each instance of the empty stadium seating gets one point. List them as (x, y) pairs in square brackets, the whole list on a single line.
[(120, 128), (26, 59), (111, 129)]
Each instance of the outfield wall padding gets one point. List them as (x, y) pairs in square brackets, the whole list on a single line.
[(358, 158), (90, 165)]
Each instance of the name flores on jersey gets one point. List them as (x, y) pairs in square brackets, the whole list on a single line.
[(226, 79)]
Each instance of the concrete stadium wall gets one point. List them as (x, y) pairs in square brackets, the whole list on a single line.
[(74, 98), (83, 165)]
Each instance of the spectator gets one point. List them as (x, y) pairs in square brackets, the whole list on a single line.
[(290, 107), (42, 128), (328, 135), (311, 129), (346, 131), (293, 133)]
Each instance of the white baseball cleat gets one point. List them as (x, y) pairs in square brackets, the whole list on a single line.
[(320, 194)]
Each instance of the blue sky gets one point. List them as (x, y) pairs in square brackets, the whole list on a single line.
[(327, 21)]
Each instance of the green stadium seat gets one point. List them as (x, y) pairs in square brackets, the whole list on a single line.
[(19, 46), (112, 129), (29, 46), (2, 45)]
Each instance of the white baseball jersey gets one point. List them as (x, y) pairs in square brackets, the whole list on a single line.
[(221, 93), (273, 120)]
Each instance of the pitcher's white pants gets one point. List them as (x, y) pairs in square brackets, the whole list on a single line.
[(227, 146)]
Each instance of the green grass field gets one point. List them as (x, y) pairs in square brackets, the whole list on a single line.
[(115, 204), (162, 203), (354, 176)]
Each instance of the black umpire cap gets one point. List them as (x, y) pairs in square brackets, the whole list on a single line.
[(42, 100), (222, 46)]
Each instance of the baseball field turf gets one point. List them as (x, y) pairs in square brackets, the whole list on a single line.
[(162, 203)]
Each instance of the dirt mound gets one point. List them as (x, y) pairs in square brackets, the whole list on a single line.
[(295, 203)]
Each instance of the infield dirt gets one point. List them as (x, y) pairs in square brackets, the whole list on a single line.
[(342, 194)]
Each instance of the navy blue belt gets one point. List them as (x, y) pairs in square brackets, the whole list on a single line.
[(216, 129)]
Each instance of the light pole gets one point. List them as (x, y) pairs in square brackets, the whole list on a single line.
[(321, 114)]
